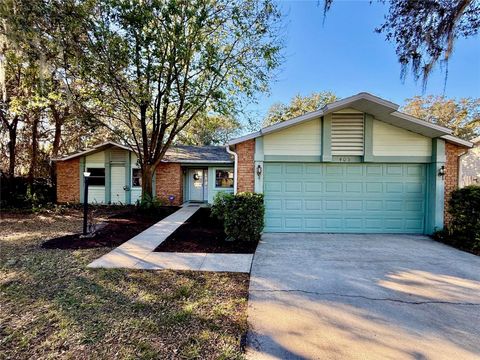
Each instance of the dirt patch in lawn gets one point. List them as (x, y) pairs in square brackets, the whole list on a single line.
[(204, 234), (113, 232)]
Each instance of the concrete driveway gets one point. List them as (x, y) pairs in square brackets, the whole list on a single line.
[(325, 296)]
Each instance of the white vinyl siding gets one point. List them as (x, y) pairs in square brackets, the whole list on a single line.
[(96, 194), (347, 133), (95, 160), (389, 140), (300, 140)]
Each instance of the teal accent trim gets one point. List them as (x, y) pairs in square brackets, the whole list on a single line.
[(128, 178), (258, 179), (108, 178), (436, 188), (352, 159), (438, 150), (327, 138), (259, 155), (82, 169), (211, 189), (185, 194), (292, 158), (368, 139), (401, 159), (346, 158)]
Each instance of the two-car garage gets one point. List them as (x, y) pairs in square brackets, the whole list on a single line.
[(345, 197)]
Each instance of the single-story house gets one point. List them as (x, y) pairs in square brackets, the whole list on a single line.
[(470, 165), (356, 165), (188, 173)]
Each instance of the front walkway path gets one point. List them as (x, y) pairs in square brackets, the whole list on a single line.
[(137, 253)]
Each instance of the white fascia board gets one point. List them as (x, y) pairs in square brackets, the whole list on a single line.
[(284, 124), (457, 141), (360, 96), (245, 138), (340, 104), (420, 122), (92, 150)]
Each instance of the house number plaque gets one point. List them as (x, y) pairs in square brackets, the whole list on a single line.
[(346, 159)]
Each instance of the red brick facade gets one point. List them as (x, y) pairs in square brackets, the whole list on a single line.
[(68, 181), (452, 153), (168, 181), (246, 165)]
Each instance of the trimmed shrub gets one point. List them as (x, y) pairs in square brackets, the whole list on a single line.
[(242, 215), (464, 229)]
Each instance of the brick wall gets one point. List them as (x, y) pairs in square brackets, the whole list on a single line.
[(246, 165), (452, 153), (68, 181), (169, 181)]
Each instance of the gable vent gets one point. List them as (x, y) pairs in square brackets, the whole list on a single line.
[(118, 156), (347, 134)]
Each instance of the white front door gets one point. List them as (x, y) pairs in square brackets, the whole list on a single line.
[(197, 184), (117, 191)]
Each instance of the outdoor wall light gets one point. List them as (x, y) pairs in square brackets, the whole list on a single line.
[(259, 170), (441, 171)]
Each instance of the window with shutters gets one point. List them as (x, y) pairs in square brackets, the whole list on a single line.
[(347, 134)]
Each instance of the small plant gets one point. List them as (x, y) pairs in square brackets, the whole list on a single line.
[(242, 215), (149, 204)]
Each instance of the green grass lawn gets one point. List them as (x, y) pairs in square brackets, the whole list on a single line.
[(52, 306)]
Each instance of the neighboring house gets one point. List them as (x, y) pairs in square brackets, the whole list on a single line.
[(188, 173), (357, 165), (470, 165)]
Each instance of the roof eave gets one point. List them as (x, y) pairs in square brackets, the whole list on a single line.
[(457, 141), (94, 149)]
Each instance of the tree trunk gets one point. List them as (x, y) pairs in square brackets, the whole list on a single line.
[(147, 179), (34, 149), (12, 144), (59, 120)]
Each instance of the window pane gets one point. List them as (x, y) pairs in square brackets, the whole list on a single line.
[(97, 176), (96, 171), (224, 178), (136, 177)]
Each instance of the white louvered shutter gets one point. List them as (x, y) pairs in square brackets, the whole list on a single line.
[(347, 134)]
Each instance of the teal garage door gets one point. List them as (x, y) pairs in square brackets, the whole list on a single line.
[(356, 198)]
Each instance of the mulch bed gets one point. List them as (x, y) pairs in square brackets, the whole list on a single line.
[(117, 230), (203, 234)]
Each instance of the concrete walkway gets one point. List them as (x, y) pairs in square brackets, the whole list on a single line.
[(339, 296), (137, 253)]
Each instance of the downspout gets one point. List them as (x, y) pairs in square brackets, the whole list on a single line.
[(235, 167)]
